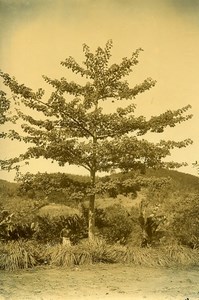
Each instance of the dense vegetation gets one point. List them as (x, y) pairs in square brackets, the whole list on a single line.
[(158, 211)]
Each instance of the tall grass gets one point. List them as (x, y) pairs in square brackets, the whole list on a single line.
[(20, 255), (13, 256), (96, 251), (164, 256), (67, 256), (180, 255)]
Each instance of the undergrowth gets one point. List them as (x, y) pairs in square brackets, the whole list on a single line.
[(99, 251), (14, 256), (27, 254)]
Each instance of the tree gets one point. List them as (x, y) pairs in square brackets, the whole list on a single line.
[(4, 107), (5, 116), (56, 187), (77, 131)]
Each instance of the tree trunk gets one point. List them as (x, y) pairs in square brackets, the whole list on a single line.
[(91, 217), (91, 221)]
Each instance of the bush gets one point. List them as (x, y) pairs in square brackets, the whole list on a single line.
[(185, 225), (49, 229), (116, 225), (19, 231), (61, 256), (17, 219)]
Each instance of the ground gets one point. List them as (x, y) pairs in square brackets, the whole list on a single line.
[(100, 281)]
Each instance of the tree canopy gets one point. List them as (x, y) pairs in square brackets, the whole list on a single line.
[(76, 129), (4, 107)]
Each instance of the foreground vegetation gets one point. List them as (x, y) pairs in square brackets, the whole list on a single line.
[(23, 254)]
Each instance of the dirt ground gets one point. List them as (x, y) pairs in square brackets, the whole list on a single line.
[(100, 282)]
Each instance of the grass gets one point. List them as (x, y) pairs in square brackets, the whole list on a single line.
[(98, 251), (163, 256), (14, 256), (22, 255), (182, 255)]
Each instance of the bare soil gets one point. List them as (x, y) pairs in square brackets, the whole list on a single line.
[(100, 281)]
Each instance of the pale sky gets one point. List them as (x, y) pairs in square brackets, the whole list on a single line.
[(36, 35)]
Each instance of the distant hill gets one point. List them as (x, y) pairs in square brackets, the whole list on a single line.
[(8, 188), (182, 181)]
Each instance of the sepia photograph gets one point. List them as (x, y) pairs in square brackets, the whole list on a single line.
[(99, 150)]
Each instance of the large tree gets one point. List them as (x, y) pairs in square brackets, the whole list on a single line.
[(76, 129), (4, 108)]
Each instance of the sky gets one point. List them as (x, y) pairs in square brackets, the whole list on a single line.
[(36, 35)]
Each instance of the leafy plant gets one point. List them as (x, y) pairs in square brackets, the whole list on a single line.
[(38, 250), (49, 229), (113, 223), (18, 218), (185, 223), (27, 254), (118, 225)]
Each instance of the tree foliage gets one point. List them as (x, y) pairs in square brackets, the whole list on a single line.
[(56, 187), (4, 107), (75, 128)]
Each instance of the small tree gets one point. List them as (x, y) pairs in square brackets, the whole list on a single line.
[(78, 131)]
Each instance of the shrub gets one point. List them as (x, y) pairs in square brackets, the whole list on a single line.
[(118, 224), (49, 229), (20, 231), (17, 219), (169, 256), (185, 225)]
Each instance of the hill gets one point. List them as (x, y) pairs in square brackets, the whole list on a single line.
[(8, 188), (181, 180)]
